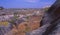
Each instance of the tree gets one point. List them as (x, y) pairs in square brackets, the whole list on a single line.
[(14, 19), (1, 8)]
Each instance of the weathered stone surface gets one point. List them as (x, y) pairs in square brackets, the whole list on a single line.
[(39, 31)]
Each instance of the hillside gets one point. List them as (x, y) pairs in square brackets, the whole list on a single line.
[(27, 20)]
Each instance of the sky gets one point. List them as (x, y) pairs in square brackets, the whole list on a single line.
[(26, 3)]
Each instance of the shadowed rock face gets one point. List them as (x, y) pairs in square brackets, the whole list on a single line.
[(4, 29), (50, 22), (52, 13)]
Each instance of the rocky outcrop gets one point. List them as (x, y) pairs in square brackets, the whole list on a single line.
[(39, 31)]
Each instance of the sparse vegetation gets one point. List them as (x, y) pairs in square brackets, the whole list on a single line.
[(32, 22)]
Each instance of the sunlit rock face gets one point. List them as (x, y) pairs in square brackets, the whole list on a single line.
[(38, 31)]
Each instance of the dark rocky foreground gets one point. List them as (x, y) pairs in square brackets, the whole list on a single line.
[(4, 29)]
